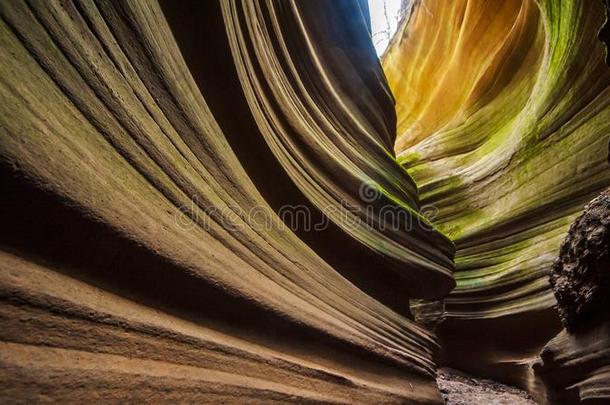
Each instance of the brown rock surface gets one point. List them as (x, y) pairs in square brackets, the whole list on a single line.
[(581, 274), (575, 365), (143, 257)]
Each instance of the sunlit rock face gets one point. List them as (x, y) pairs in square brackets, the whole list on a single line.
[(146, 153), (503, 112)]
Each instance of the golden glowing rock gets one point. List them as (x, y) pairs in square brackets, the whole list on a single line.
[(503, 113)]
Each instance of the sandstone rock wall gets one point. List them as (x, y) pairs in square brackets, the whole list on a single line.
[(134, 141), (503, 111)]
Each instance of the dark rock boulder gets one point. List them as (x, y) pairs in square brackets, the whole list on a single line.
[(581, 274), (574, 365)]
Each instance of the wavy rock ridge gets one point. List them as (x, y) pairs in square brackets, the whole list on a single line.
[(233, 201), (143, 256), (503, 117)]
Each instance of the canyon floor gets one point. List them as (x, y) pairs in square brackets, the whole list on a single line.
[(458, 388)]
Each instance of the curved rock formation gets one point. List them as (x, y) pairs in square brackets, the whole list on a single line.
[(142, 256), (208, 201), (322, 105), (575, 367), (503, 112)]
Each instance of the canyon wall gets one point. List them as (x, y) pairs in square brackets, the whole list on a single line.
[(148, 153), (503, 111), (211, 201)]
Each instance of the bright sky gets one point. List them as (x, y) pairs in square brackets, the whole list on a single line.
[(384, 22)]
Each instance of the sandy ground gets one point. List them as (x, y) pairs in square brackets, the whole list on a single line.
[(461, 389)]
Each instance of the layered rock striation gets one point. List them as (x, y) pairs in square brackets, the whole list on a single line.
[(323, 107), (503, 115), (147, 152), (234, 201)]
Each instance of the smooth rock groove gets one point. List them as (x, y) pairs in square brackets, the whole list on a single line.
[(235, 201), (146, 152), (503, 111)]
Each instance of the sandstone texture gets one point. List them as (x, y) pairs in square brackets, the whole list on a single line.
[(503, 116), (575, 364), (580, 276), (146, 152), (237, 201)]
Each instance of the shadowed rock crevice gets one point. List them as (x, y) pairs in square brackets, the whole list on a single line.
[(142, 143)]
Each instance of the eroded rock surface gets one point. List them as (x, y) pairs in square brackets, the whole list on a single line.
[(581, 274), (146, 153), (575, 365), (150, 153), (503, 111)]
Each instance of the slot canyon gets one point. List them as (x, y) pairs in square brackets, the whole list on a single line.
[(239, 201)]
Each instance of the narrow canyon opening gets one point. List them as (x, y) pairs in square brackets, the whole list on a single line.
[(305, 201)]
